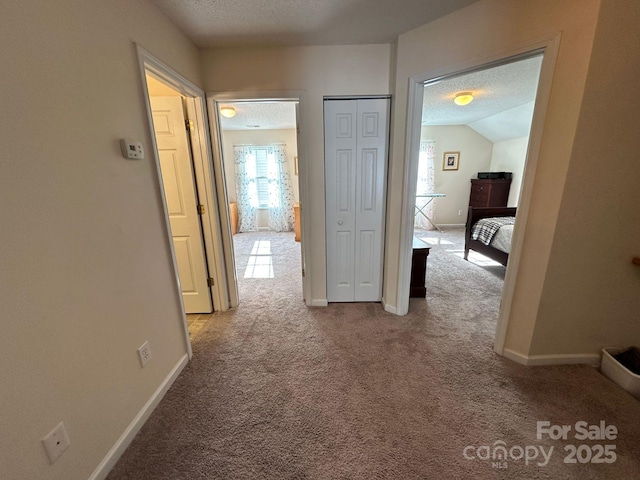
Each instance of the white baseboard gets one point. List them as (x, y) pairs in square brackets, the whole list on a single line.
[(559, 359), (388, 308), (318, 302), (108, 462)]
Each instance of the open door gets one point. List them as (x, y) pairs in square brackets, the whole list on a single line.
[(180, 194)]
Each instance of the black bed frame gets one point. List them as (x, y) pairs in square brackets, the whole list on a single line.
[(475, 214)]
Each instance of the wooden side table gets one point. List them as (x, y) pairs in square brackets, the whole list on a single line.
[(233, 213), (296, 212), (419, 269)]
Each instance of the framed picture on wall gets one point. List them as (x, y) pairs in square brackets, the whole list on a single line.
[(451, 161)]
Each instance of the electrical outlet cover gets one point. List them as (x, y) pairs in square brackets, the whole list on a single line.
[(56, 442), (144, 353)]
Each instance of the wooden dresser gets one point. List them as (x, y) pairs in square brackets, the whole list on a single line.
[(489, 192)]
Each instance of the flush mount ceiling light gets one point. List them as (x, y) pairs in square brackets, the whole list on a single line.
[(463, 98), (228, 112)]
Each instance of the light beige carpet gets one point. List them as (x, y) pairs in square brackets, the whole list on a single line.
[(277, 390)]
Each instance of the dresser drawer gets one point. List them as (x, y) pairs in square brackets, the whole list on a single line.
[(479, 199), (489, 192)]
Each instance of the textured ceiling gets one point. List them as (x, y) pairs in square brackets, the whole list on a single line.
[(211, 23), (259, 115), (503, 100), (502, 107)]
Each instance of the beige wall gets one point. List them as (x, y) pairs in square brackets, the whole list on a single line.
[(318, 72), (487, 29), (510, 156), (591, 295), (86, 268), (475, 156)]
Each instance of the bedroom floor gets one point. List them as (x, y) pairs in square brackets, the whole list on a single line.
[(446, 260)]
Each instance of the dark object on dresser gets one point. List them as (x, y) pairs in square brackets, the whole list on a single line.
[(419, 268), (495, 175), (489, 192), (476, 214)]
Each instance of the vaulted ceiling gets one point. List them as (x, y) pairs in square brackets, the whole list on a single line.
[(503, 102)]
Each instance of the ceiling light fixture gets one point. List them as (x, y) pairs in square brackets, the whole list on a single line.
[(228, 112), (463, 98)]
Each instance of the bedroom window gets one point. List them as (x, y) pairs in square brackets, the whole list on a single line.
[(262, 182), (261, 194)]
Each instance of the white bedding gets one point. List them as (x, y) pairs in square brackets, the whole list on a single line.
[(502, 239)]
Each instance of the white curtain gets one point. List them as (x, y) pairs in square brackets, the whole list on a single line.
[(246, 188), (426, 184), (281, 217), (280, 196)]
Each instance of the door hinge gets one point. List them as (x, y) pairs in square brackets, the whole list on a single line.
[(298, 128), (191, 127), (210, 282), (303, 272), (200, 209)]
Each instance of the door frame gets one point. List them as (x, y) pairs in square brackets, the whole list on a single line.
[(214, 99), (201, 155), (548, 46)]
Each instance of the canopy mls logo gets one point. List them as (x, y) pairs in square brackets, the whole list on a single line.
[(499, 454)]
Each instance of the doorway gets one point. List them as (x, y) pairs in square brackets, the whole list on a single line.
[(548, 47), (483, 137), (258, 147), (194, 105)]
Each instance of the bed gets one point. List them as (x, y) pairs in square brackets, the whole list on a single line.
[(500, 245)]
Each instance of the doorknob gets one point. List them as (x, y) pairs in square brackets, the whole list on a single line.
[(339, 222)]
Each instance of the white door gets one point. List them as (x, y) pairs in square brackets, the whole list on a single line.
[(356, 139), (182, 205)]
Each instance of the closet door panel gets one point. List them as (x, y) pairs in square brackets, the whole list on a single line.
[(372, 140), (340, 196)]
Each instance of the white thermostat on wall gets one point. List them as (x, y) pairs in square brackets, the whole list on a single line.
[(132, 149)]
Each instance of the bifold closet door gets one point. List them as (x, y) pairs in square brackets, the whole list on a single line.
[(356, 142)]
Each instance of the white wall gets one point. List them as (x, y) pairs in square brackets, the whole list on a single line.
[(510, 156), (86, 272), (485, 30), (317, 71), (475, 156)]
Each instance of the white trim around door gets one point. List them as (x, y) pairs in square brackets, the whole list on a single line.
[(549, 47), (201, 151), (213, 101)]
